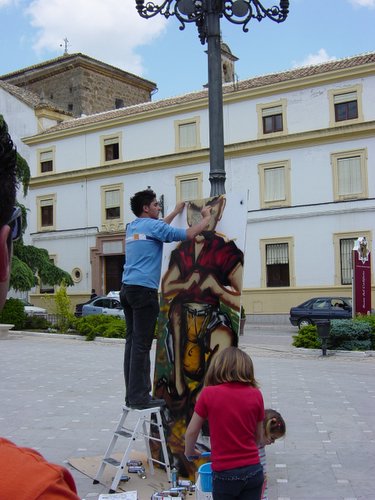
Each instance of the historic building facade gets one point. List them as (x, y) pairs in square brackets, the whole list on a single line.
[(299, 146)]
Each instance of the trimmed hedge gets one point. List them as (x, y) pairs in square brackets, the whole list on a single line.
[(14, 313), (100, 325), (346, 334), (370, 319), (36, 323), (307, 337), (350, 335)]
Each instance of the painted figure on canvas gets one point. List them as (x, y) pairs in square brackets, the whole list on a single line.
[(201, 292)]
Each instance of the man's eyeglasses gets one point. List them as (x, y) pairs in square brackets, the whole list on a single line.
[(15, 223)]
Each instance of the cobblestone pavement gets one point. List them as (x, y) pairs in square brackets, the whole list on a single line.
[(63, 396)]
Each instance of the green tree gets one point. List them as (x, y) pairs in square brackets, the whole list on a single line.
[(30, 262), (63, 308)]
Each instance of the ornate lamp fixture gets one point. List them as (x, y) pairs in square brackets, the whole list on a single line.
[(206, 14)]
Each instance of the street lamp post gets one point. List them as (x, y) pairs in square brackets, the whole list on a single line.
[(206, 14)]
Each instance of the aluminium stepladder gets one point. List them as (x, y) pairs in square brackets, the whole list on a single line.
[(142, 428)]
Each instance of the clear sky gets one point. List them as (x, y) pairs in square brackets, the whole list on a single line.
[(112, 31)]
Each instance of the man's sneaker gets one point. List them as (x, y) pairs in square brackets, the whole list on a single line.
[(152, 403)]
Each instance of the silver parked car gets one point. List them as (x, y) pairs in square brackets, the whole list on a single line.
[(103, 305), (31, 310)]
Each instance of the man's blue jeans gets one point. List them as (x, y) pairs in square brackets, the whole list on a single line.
[(244, 483), (141, 308)]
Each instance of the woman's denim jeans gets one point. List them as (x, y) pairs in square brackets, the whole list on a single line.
[(244, 483), (141, 308)]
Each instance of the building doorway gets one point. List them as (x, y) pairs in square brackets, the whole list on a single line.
[(113, 266)]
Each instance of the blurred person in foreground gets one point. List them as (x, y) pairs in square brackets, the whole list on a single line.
[(25, 474)]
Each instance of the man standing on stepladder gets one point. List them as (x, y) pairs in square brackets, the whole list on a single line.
[(139, 291)]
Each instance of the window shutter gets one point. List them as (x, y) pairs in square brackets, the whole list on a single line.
[(277, 254), (46, 156), (274, 184), (112, 198), (349, 175), (111, 140), (46, 203), (187, 135), (189, 189), (349, 96), (275, 110)]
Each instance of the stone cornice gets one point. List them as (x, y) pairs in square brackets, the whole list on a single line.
[(248, 148)]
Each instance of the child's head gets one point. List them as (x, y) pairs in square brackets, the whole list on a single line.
[(231, 365), (273, 425)]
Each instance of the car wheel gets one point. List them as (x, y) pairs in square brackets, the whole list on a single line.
[(304, 322)]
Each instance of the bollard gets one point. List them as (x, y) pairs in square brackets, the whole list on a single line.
[(323, 327)]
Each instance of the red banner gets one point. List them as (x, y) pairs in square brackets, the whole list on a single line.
[(361, 277)]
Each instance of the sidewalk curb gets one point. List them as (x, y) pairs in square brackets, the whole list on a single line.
[(292, 350), (109, 340), (361, 354)]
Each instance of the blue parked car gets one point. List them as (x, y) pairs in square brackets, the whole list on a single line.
[(321, 308)]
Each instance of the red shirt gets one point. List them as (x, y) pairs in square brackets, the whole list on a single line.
[(217, 257), (233, 411), (26, 475)]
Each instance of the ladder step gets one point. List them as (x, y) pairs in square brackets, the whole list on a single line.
[(124, 433), (158, 462), (152, 438), (112, 461)]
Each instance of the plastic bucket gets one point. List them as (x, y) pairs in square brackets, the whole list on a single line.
[(205, 476)]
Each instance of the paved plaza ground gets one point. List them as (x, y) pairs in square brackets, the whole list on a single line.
[(63, 396)]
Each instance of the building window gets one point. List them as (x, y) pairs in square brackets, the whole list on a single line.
[(274, 184), (277, 257), (349, 175), (346, 105), (277, 264), (187, 134), (111, 148), (189, 187), (343, 248), (119, 103), (70, 107), (346, 264), (272, 118), (46, 210), (112, 207), (112, 204), (46, 160)]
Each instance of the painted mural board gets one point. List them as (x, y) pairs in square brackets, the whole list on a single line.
[(200, 313)]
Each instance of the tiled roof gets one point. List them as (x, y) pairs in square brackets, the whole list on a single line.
[(30, 98), (24, 95), (257, 82), (306, 71), (71, 57)]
